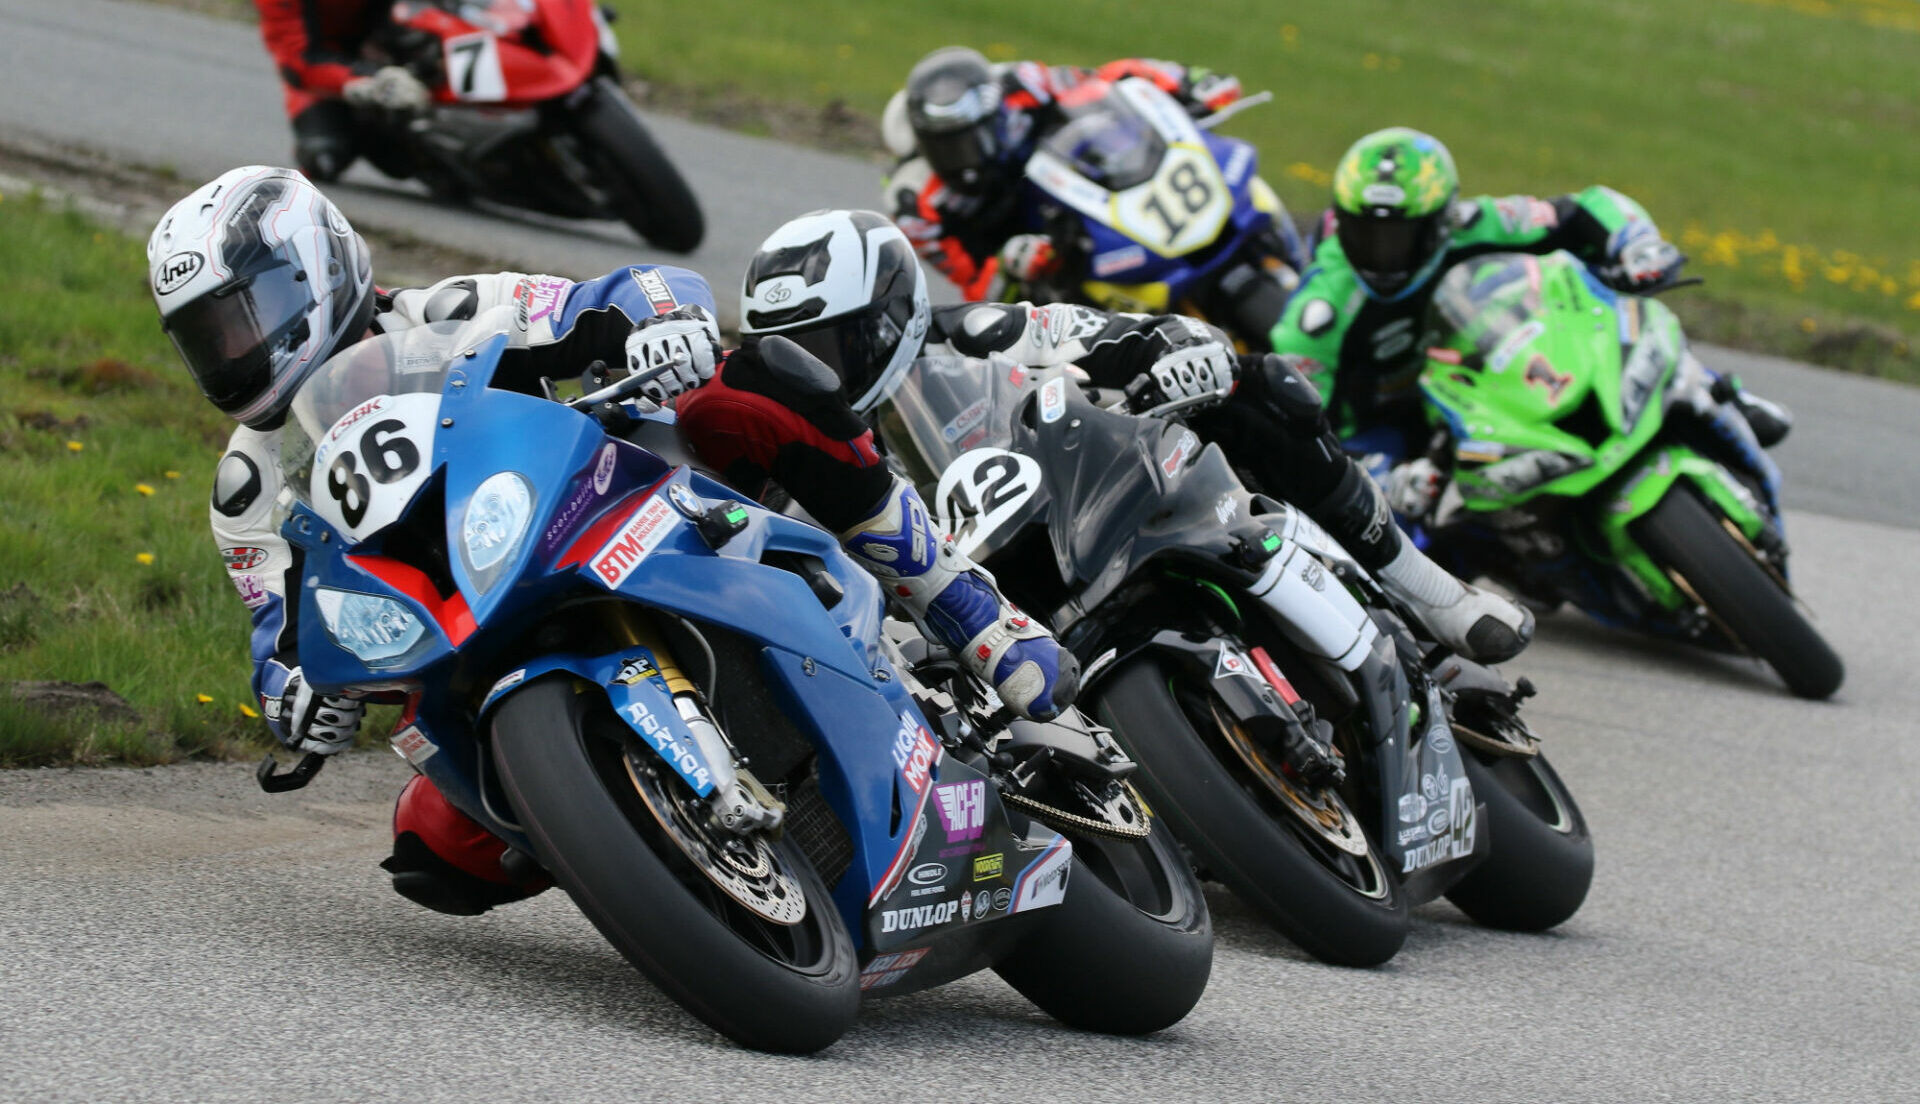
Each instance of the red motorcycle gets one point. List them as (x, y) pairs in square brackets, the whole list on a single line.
[(528, 110)]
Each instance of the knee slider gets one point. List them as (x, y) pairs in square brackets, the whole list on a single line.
[(792, 366), (1288, 390)]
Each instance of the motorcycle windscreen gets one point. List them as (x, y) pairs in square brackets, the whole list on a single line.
[(1108, 142), (1479, 303)]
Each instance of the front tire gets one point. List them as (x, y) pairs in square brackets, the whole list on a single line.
[(1129, 950), (1682, 535), (643, 187), (1541, 864), (785, 988), (1338, 908)]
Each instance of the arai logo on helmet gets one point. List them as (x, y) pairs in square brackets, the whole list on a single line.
[(176, 270)]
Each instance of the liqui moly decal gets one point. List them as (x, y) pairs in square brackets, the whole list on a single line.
[(634, 542), (963, 808), (914, 752)]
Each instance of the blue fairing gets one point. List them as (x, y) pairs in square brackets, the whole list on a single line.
[(607, 524)]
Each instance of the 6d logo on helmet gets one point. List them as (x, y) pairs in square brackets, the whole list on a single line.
[(176, 270)]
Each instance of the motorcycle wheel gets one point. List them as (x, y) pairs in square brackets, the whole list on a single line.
[(1541, 863), (646, 191), (1338, 908), (1130, 948), (1684, 536), (637, 874)]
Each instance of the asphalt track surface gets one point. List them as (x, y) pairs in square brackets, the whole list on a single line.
[(174, 935)]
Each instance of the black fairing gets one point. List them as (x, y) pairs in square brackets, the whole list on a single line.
[(1120, 490)]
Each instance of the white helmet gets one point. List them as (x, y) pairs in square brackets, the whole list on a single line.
[(846, 287), (259, 279)]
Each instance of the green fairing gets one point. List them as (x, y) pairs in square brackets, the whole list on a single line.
[(1536, 344)]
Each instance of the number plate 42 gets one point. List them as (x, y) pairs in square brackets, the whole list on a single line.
[(370, 463), (981, 491)]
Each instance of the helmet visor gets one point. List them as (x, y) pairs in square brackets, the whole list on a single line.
[(962, 157), (229, 339), (859, 346), (1387, 252)]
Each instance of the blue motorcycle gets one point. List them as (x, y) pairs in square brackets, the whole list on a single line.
[(693, 714), (1151, 211)]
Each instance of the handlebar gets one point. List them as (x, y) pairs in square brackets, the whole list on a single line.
[(1208, 122)]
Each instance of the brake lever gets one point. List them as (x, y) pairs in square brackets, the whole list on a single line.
[(621, 390), (302, 773), (1208, 122)]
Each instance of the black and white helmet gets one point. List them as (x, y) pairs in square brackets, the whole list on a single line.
[(845, 286), (259, 279)]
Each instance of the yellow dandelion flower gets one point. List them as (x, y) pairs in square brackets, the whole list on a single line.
[(203, 699), (171, 474), (248, 711), (1808, 325), (143, 488), (74, 446), (1289, 33), (843, 51), (144, 557), (1370, 61)]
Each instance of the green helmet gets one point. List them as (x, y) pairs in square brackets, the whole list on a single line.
[(1393, 196)]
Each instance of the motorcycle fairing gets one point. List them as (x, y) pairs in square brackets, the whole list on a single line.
[(489, 56)]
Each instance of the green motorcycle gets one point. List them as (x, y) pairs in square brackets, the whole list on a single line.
[(1597, 462)]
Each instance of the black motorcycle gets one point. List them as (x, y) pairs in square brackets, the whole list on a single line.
[(1310, 752)]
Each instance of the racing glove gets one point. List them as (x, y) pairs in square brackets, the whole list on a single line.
[(674, 352), (304, 719), (1639, 258), (1211, 91), (1413, 487), (392, 88), (1028, 257), (1206, 370)]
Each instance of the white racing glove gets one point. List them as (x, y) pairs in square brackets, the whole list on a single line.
[(1413, 487), (1195, 371), (1027, 257), (306, 720), (1638, 257), (393, 88), (674, 352)]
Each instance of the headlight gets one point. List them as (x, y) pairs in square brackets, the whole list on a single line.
[(495, 525), (378, 631)]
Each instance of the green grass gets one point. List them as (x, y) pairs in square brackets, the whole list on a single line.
[(83, 363), (1775, 139)]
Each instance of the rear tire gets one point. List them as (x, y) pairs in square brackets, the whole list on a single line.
[(1130, 948), (792, 989), (1541, 863), (1253, 849), (645, 190), (1683, 534)]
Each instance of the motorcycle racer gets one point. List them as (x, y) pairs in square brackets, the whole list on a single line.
[(335, 88), (1398, 221), (964, 128), (259, 279), (806, 283)]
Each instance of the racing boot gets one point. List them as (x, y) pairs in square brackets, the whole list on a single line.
[(1770, 421), (445, 860), (1477, 624), (958, 604)]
